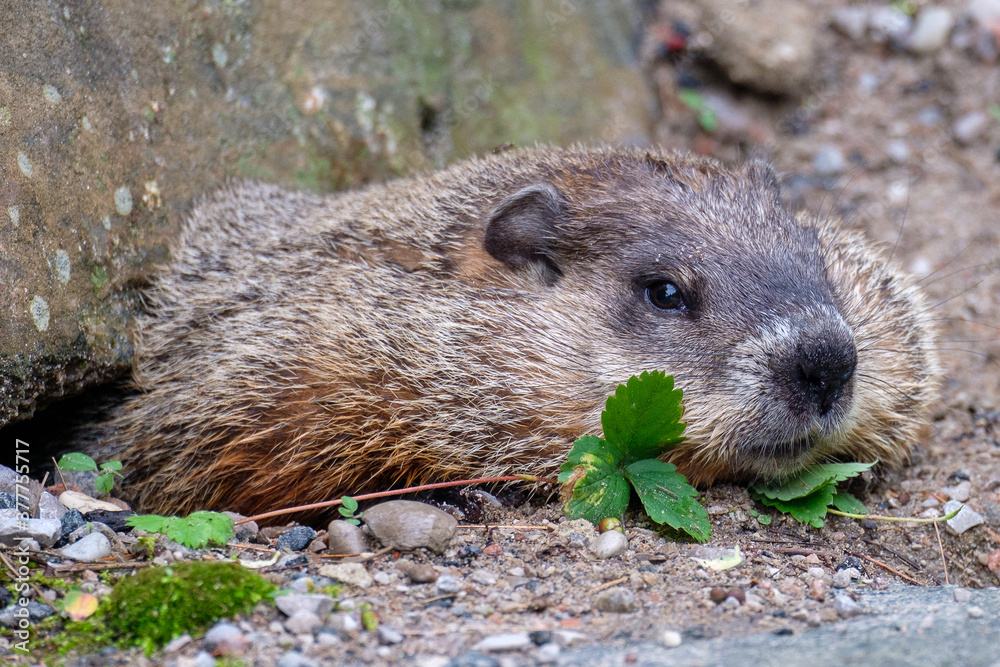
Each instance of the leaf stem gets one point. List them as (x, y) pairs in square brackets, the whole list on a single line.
[(877, 517)]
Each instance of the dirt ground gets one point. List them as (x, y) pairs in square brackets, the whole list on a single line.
[(937, 208)]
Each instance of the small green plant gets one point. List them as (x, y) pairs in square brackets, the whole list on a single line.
[(696, 102), (810, 494), (81, 462), (193, 531), (161, 603), (641, 422), (348, 509)]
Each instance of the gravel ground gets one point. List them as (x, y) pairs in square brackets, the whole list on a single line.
[(884, 141)]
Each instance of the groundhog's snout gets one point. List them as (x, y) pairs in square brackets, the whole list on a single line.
[(823, 372)]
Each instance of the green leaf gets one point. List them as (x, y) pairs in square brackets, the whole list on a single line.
[(104, 483), (641, 421), (809, 509), (349, 503), (602, 491), (809, 480), (668, 498), (111, 466), (77, 461), (194, 531), (847, 503)]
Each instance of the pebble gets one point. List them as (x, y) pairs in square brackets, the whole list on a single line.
[(203, 659), (888, 24), (850, 21), (671, 638), (898, 151), (384, 578), (484, 577), (829, 161), (961, 595), (818, 590), (406, 525), (346, 538), (568, 638), (577, 530), (86, 504), (968, 128), (223, 638), (547, 654), (474, 659), (962, 521), (510, 641), (616, 600), (447, 585), (9, 617), (975, 612), (314, 603), (296, 539), (846, 607), (71, 520), (303, 622), (959, 492), (94, 546), (422, 573), (931, 31), (345, 625), (8, 501), (295, 659), (609, 545), (354, 574), (388, 635), (13, 529), (843, 578), (177, 643)]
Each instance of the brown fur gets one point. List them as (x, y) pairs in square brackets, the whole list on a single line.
[(302, 347)]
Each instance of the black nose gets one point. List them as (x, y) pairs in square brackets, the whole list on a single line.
[(824, 372)]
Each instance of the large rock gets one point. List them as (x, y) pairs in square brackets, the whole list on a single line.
[(114, 115)]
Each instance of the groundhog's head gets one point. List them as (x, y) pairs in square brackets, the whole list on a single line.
[(794, 340)]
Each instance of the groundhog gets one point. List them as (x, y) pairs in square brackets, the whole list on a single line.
[(472, 322)]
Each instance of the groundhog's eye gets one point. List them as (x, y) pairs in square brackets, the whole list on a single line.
[(665, 296)]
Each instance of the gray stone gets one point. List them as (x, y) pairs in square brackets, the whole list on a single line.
[(484, 577), (888, 24), (94, 546), (767, 45), (303, 622), (843, 578), (296, 538), (345, 625), (346, 538), (962, 595), (897, 150), (315, 603), (959, 492), (616, 599), (671, 638), (970, 127), (829, 161), (964, 520), (348, 573), (609, 544), (295, 659), (547, 654), (388, 635), (421, 573), (44, 531), (177, 643), (510, 641), (405, 524), (203, 659), (447, 584), (846, 607), (13, 614), (474, 659), (224, 638), (931, 31), (850, 21)]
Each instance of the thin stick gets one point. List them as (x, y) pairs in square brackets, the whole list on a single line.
[(484, 526), (944, 561), (13, 572), (887, 567), (397, 492), (610, 584)]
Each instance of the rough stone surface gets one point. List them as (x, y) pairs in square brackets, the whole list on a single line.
[(115, 115), (303, 622), (345, 538), (964, 520), (224, 638), (348, 573), (616, 600), (292, 604), (512, 641), (88, 548), (405, 524), (44, 531), (767, 45), (609, 544)]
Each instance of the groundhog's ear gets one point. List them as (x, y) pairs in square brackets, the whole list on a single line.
[(521, 230)]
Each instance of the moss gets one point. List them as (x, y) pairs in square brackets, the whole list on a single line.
[(161, 603)]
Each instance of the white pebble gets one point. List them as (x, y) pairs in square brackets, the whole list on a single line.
[(39, 310), (671, 638), (931, 31), (24, 164), (123, 201), (968, 128)]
